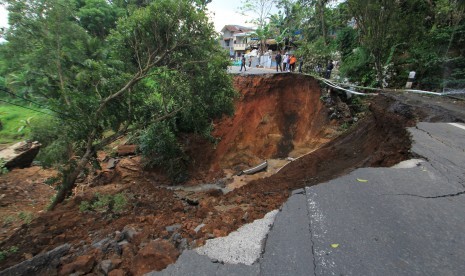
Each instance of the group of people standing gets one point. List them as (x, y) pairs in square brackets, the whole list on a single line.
[(288, 63)]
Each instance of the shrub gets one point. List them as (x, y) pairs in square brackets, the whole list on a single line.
[(26, 217), (358, 67), (3, 170), (105, 203), (160, 148), (5, 253), (55, 147)]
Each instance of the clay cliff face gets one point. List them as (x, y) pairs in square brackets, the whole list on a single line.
[(274, 116)]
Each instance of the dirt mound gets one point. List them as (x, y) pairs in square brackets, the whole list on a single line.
[(186, 219)]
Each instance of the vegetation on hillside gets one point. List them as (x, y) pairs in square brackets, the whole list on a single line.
[(377, 42), (115, 67)]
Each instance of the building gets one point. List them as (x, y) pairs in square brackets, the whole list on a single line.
[(236, 39)]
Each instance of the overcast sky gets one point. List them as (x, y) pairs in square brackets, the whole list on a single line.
[(3, 16), (223, 12)]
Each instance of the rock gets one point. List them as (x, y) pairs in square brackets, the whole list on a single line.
[(200, 226), (192, 201), (111, 164), (344, 109), (119, 236), (108, 265), (100, 244), (123, 242), (173, 227), (40, 264), (156, 255), (129, 232), (82, 264), (20, 155), (124, 150), (183, 245), (176, 237)]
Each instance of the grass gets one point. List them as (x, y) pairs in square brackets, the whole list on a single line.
[(13, 118)]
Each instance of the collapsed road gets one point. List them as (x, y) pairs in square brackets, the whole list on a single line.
[(277, 117)]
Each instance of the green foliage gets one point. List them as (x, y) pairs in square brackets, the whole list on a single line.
[(318, 52), (357, 67), (346, 40), (160, 148), (26, 217), (56, 148), (357, 105), (99, 17), (114, 66), (105, 203), (9, 220), (437, 65), (344, 126), (15, 118), (3, 170), (52, 180), (7, 252)]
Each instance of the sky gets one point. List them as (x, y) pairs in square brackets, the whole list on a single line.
[(3, 16), (222, 12), (225, 12)]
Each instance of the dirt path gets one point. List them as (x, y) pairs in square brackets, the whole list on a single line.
[(186, 218)]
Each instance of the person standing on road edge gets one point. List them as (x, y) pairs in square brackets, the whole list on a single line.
[(301, 63), (284, 58), (278, 62), (250, 62), (243, 64), (292, 62), (329, 69)]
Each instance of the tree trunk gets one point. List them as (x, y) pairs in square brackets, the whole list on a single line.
[(321, 4), (69, 182)]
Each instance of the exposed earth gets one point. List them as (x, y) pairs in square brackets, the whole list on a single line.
[(307, 135)]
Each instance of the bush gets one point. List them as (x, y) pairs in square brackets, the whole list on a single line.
[(5, 253), (358, 67), (55, 147), (105, 203), (3, 170), (26, 217), (160, 148)]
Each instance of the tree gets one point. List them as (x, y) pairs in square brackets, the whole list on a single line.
[(374, 19), (260, 10), (119, 84)]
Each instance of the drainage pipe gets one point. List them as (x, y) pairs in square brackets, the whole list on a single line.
[(255, 169)]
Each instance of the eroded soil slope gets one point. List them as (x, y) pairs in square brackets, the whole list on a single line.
[(180, 221), (275, 115)]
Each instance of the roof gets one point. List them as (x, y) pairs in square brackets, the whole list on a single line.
[(236, 28)]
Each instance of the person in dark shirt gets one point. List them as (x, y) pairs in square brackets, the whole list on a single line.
[(329, 68), (278, 58), (243, 63)]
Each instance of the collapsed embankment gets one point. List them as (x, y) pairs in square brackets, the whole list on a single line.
[(287, 106), (274, 115)]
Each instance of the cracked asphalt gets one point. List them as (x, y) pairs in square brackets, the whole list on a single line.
[(404, 220)]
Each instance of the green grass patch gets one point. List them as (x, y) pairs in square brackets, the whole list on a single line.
[(15, 121)]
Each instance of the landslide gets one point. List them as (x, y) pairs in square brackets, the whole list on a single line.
[(276, 105)]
